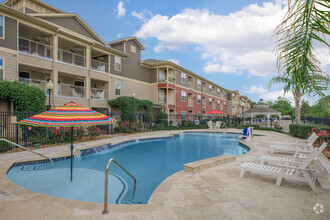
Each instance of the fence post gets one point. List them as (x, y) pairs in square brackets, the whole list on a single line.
[(17, 114), (111, 113), (107, 125)]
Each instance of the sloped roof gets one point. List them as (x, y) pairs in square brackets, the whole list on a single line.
[(261, 108), (44, 4), (127, 39)]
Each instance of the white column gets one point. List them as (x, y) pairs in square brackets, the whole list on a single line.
[(268, 119), (251, 118)]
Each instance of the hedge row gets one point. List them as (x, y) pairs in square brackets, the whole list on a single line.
[(302, 130)]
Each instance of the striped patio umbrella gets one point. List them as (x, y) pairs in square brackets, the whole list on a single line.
[(69, 115)]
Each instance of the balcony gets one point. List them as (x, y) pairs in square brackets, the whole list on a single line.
[(34, 48), (34, 82), (161, 100), (204, 105), (190, 84), (99, 66), (99, 94), (67, 90), (190, 102), (71, 58)]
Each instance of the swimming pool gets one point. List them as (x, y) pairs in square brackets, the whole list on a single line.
[(150, 161)]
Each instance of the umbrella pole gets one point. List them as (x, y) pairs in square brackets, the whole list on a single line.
[(71, 151)]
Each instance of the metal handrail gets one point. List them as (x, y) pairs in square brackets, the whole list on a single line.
[(51, 161), (105, 211)]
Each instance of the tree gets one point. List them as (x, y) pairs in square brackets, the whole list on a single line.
[(252, 104), (320, 108), (269, 103), (304, 24), (283, 106), (305, 108)]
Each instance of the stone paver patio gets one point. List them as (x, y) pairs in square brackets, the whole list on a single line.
[(212, 193)]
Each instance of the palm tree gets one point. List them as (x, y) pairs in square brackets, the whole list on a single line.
[(306, 22)]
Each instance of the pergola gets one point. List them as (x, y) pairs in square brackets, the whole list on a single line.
[(261, 108)]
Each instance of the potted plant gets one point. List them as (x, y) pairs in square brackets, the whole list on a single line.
[(173, 79)]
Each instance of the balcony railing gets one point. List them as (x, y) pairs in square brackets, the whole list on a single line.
[(67, 90), (72, 58), (34, 48), (190, 103), (99, 66), (162, 100), (99, 94), (34, 82), (190, 84)]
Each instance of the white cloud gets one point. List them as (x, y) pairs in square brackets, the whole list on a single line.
[(240, 41), (144, 15), (119, 35), (211, 67), (255, 89), (120, 9), (174, 61), (273, 96)]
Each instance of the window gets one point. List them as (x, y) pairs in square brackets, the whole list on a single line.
[(198, 116), (199, 83), (133, 49), (117, 63), (210, 88), (1, 27), (210, 101), (199, 99), (183, 115), (1, 69), (183, 77), (221, 107), (218, 91), (225, 104), (117, 88), (183, 96), (218, 102)]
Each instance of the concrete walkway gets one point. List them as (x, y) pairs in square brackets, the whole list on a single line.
[(213, 193)]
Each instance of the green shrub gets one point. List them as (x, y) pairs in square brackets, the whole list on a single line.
[(302, 130), (161, 117), (240, 126), (26, 98), (160, 126)]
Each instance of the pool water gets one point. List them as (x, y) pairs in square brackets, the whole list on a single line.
[(150, 161)]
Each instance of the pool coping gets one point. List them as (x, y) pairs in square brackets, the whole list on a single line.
[(155, 201)]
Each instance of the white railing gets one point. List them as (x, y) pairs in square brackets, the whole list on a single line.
[(34, 82), (34, 48), (72, 58), (161, 100), (99, 94), (190, 102), (71, 90), (99, 66)]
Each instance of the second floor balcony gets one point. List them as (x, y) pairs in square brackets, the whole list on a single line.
[(42, 84), (67, 90), (99, 66), (71, 58), (99, 94)]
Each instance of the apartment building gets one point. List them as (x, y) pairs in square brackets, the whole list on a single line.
[(41, 43), (237, 104)]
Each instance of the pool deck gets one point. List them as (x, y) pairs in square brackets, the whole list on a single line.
[(212, 193)]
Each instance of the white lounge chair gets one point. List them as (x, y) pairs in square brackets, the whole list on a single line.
[(210, 125), (297, 160), (217, 126), (300, 173), (300, 142), (298, 148)]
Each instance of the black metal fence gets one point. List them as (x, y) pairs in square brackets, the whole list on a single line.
[(317, 120)]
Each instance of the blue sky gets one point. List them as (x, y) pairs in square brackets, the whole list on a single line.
[(227, 42)]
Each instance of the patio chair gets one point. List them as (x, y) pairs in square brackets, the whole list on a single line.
[(210, 125), (302, 148), (300, 142), (301, 172), (296, 160), (218, 126)]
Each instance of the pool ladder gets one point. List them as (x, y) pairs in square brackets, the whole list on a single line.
[(20, 146), (105, 211)]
